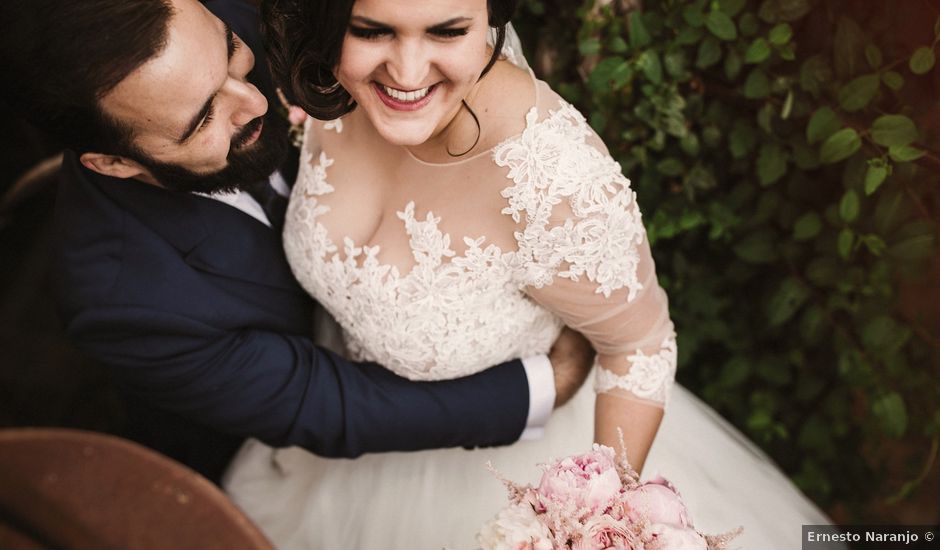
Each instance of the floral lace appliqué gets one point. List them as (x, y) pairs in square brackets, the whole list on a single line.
[(650, 376), (449, 316), (552, 162)]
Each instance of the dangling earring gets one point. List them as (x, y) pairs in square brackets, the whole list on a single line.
[(479, 131)]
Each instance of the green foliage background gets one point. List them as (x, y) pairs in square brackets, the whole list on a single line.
[(789, 190)]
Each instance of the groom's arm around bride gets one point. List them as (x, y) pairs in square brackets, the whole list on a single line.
[(188, 298)]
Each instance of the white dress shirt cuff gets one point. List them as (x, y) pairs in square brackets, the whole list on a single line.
[(538, 370)]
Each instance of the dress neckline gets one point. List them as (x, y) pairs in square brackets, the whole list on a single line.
[(488, 151)]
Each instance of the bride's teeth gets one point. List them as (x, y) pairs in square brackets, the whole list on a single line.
[(406, 96)]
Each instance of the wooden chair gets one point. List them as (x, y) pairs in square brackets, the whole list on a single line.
[(72, 489)]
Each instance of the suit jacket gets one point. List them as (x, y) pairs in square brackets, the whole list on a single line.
[(191, 305)]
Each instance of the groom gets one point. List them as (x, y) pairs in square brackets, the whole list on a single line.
[(170, 268)]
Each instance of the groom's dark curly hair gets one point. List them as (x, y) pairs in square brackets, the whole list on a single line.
[(304, 39), (58, 58)]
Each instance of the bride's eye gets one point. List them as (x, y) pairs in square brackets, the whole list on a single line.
[(449, 33), (368, 33)]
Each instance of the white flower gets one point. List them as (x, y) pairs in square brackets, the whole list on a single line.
[(515, 528)]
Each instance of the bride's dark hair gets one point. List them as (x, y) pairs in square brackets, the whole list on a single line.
[(304, 39)]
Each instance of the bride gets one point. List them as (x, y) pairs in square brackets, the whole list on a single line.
[(453, 213)]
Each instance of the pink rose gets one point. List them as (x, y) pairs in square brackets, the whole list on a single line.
[(606, 532), (588, 481), (516, 527), (656, 501), (672, 537)]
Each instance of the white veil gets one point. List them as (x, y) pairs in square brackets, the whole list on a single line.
[(512, 47)]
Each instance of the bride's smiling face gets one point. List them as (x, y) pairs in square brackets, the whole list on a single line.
[(409, 63)]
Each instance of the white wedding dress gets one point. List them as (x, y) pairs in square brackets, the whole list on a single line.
[(441, 270)]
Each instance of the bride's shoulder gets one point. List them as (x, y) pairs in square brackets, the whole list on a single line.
[(507, 95), (515, 100)]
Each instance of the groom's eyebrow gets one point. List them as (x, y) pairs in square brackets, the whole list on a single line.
[(196, 121)]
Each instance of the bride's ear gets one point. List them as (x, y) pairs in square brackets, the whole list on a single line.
[(111, 165)]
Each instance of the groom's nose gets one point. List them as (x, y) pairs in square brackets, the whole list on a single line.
[(249, 103)]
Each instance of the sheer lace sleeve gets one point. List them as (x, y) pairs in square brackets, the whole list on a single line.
[(583, 252)]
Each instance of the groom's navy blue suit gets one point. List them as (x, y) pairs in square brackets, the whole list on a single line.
[(191, 305)]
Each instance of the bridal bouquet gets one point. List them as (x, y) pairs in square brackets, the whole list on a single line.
[(593, 501)]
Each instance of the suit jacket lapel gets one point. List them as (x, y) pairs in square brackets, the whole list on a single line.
[(211, 236)]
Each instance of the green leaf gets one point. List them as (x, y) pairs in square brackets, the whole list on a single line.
[(822, 124), (780, 34), (791, 10), (904, 153), (748, 24), (757, 85), (758, 51), (639, 36), (873, 55), (693, 15), (848, 44), (734, 372), (922, 60), (891, 412), (815, 73), (742, 139), (875, 244), (731, 7), (610, 74), (893, 130), (771, 163), (786, 301), (675, 63), (787, 106), (722, 26), (858, 93), (804, 156), (849, 206), (589, 46), (824, 272), (690, 144), (916, 242), (893, 80), (618, 45), (651, 67), (874, 177), (892, 207), (756, 248), (689, 35), (670, 166), (840, 146), (709, 53), (711, 136), (807, 227), (844, 243)]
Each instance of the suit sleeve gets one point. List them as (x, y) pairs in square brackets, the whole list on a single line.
[(282, 389)]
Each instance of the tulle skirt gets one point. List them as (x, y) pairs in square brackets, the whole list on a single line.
[(439, 499)]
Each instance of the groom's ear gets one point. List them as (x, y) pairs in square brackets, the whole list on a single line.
[(112, 165)]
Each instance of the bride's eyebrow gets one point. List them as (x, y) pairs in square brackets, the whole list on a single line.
[(442, 25)]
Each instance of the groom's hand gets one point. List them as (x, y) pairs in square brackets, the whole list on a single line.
[(572, 358)]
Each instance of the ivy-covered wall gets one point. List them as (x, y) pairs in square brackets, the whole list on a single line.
[(784, 154)]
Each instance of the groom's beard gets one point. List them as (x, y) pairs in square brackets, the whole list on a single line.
[(246, 165)]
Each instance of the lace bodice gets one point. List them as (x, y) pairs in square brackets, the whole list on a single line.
[(548, 233)]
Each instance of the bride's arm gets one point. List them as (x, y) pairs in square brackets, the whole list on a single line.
[(584, 256), (631, 330)]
